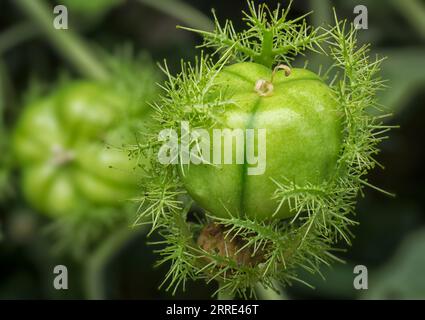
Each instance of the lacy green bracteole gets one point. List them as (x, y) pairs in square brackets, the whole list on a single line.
[(321, 136)]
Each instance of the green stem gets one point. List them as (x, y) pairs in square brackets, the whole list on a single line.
[(182, 12), (266, 56), (2, 99), (181, 220), (7, 97), (96, 265), (66, 41), (16, 35), (322, 12)]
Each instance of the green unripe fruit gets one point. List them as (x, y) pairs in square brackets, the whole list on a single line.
[(303, 139), (61, 144)]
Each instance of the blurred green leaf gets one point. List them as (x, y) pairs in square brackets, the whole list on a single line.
[(405, 71), (183, 12), (404, 276), (68, 43), (414, 13), (336, 283)]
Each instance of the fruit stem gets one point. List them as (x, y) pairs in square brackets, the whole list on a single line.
[(266, 56)]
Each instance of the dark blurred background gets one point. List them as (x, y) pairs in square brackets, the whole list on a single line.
[(390, 240)]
